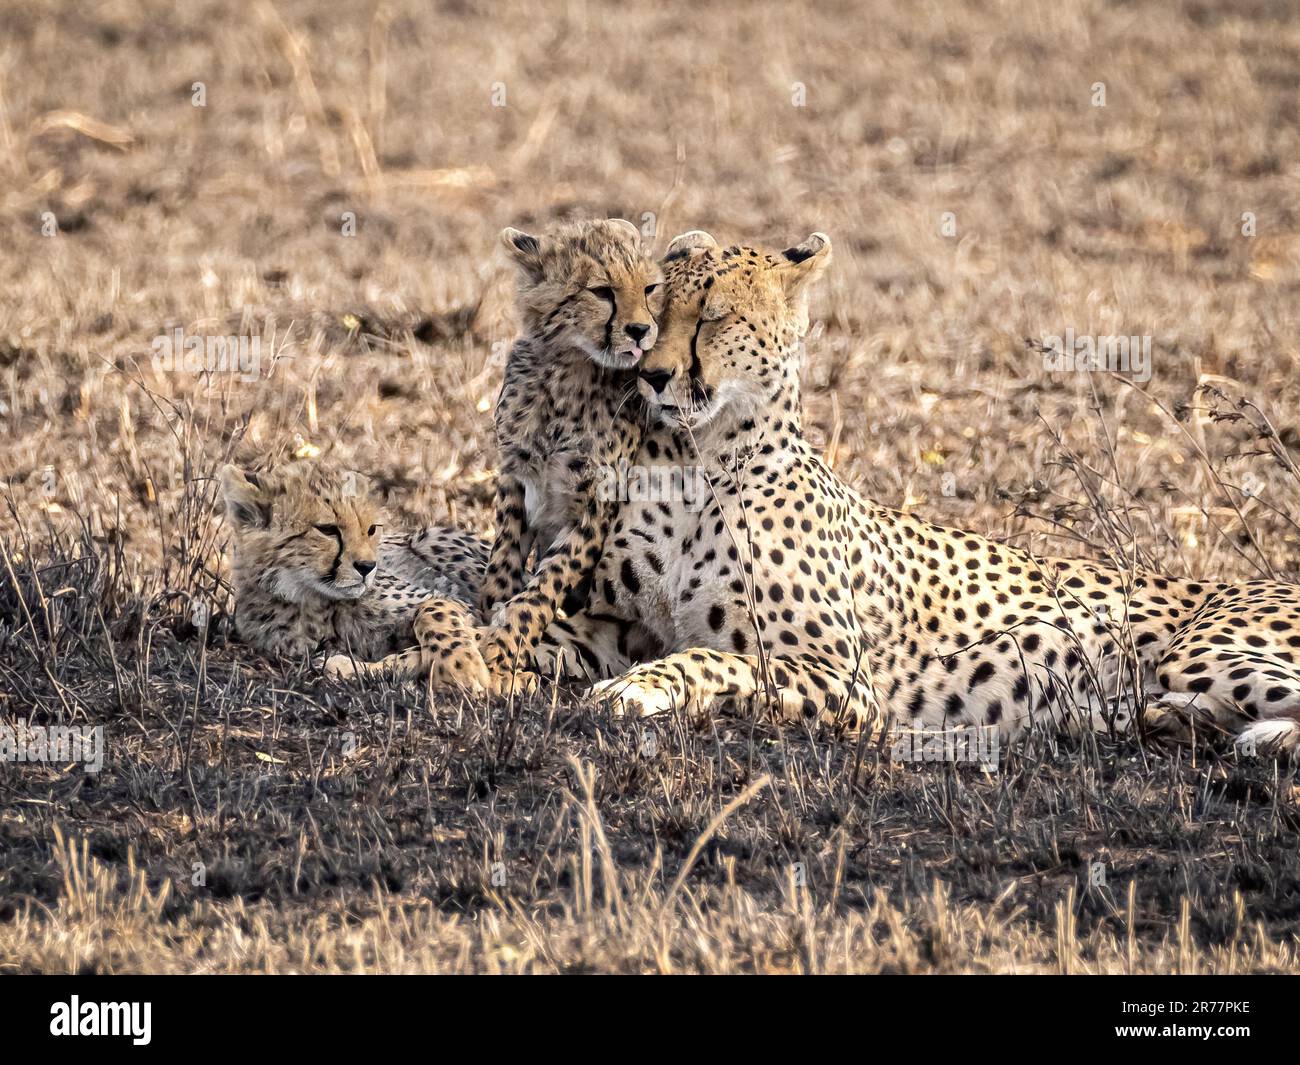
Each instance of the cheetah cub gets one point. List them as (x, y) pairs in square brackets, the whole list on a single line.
[(313, 575), (568, 415)]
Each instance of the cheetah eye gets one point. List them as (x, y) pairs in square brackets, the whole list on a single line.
[(603, 292), (328, 530), (373, 529), (650, 290)]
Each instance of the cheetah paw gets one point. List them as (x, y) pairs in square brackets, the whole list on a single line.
[(630, 697), (460, 667), (340, 667), (504, 682), (1269, 738), (500, 649)]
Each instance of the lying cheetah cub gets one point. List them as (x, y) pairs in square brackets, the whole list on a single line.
[(313, 575), (567, 415)]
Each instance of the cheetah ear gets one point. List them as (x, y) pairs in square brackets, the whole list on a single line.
[(246, 503), (524, 249), (623, 223), (684, 245), (804, 263)]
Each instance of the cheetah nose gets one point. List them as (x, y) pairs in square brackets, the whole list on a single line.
[(364, 568), (656, 379), (637, 332)]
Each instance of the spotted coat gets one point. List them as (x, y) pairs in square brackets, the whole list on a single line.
[(785, 584)]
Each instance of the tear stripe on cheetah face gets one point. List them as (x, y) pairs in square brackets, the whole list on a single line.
[(954, 629), (704, 369), (307, 530), (590, 287), (283, 603)]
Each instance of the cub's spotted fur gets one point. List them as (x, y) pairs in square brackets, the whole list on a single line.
[(568, 411), (313, 575), (788, 582)]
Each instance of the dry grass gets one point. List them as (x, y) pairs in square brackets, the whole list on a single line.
[(336, 830)]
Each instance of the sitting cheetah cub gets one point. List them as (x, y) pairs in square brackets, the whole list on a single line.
[(567, 415), (313, 575)]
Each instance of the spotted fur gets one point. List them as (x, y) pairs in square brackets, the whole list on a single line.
[(567, 415), (315, 575), (788, 584)]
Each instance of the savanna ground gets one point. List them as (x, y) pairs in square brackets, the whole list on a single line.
[(252, 817)]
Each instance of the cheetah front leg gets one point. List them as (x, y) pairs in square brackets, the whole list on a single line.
[(447, 652), (588, 647), (803, 685), (520, 624), (504, 578)]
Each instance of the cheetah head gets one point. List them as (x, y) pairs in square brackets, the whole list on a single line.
[(730, 329), (589, 285), (303, 530)]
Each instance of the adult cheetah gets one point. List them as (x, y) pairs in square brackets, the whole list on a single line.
[(788, 582)]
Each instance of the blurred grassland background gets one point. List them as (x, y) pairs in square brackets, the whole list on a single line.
[(759, 122)]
